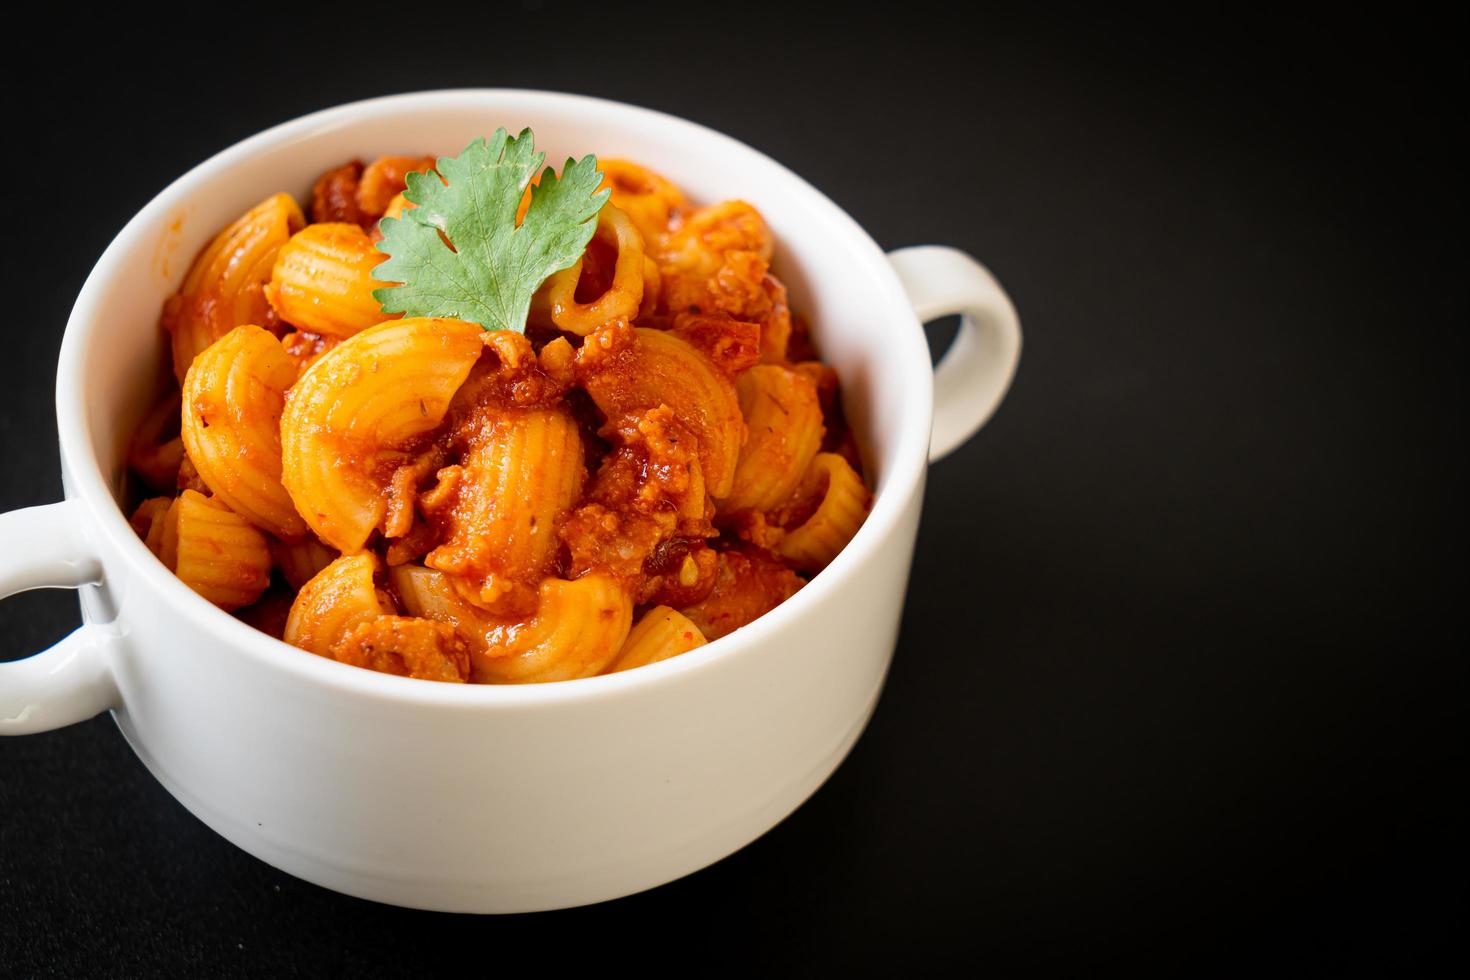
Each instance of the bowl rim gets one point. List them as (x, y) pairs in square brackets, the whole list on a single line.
[(901, 480)]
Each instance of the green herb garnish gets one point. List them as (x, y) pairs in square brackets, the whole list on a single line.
[(488, 270)]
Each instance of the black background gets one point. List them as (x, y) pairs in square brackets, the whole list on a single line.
[(1174, 689)]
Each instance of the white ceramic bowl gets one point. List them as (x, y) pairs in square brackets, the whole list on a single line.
[(477, 798)]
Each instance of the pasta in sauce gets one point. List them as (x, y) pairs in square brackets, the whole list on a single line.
[(658, 460)]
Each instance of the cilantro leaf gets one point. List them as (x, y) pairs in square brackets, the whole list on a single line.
[(490, 268)]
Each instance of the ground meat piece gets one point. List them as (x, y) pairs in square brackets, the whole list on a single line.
[(749, 583), (334, 198), (408, 647)]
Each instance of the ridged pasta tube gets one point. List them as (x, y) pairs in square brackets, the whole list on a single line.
[(577, 629), (658, 368), (523, 471), (337, 600), (150, 519), (648, 199), (300, 561), (661, 633), (842, 507), (322, 281), (783, 416), (225, 287), (385, 178), (430, 594), (557, 298), (215, 551), (233, 397), (350, 416)]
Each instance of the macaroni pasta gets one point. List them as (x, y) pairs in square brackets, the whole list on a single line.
[(656, 461)]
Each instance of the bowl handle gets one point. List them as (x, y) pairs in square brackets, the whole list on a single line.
[(972, 377), (41, 548)]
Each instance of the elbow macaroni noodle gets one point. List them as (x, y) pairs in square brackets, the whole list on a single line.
[(225, 287), (841, 504), (323, 282), (557, 300), (358, 410), (656, 367), (651, 202), (784, 422), (233, 396), (214, 551), (518, 481), (645, 470), (661, 633), (334, 602)]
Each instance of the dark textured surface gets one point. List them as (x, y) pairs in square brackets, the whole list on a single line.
[(1168, 693)]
